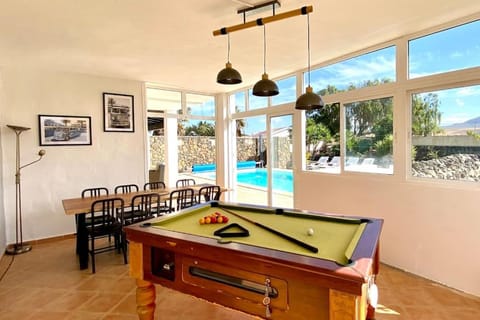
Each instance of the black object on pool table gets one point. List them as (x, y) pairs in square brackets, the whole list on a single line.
[(278, 233), (236, 230)]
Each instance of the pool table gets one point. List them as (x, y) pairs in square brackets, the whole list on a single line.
[(270, 262)]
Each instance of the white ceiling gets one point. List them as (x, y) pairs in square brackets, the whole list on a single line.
[(171, 42)]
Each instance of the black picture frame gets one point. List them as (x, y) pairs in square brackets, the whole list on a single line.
[(62, 130), (118, 112)]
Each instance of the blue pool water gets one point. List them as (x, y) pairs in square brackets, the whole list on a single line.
[(282, 179)]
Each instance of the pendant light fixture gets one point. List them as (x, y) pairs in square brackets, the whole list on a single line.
[(265, 87), (228, 75), (309, 100)]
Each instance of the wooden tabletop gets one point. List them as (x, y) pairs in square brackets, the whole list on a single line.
[(83, 205)]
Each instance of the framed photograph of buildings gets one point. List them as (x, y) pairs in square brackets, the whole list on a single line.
[(118, 112), (56, 130)]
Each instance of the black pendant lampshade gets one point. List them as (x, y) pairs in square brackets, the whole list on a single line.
[(309, 100), (228, 75), (265, 87)]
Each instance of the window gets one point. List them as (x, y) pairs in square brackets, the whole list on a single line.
[(255, 102), (369, 136), (163, 100), (448, 50), (287, 91), (196, 135), (237, 100), (446, 134), (251, 149), (323, 139), (200, 105), (370, 69), (158, 102)]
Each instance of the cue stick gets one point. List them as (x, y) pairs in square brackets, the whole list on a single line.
[(278, 233)]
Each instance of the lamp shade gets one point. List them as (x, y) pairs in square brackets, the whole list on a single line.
[(309, 100), (265, 87), (228, 75)]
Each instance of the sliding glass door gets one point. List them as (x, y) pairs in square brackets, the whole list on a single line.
[(280, 171)]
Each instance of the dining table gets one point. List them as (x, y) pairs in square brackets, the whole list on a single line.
[(79, 207)]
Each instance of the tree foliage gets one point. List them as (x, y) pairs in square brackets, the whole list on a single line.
[(426, 115), (203, 128), (369, 124)]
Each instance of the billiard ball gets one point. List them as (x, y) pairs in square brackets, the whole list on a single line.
[(310, 231)]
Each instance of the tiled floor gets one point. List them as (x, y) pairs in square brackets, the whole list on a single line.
[(47, 284)]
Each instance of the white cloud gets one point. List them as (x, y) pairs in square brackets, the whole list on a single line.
[(354, 71)]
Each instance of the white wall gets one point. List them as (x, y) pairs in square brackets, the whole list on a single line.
[(113, 158), (429, 229), (3, 240)]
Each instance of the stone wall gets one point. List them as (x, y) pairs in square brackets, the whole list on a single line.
[(458, 167), (157, 153), (201, 150)]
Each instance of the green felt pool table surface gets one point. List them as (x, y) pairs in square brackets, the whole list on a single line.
[(336, 237)]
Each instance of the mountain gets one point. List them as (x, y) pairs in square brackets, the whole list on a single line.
[(471, 123)]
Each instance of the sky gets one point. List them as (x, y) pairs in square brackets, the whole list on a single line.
[(454, 49)]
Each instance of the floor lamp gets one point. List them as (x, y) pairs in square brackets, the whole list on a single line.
[(19, 247)]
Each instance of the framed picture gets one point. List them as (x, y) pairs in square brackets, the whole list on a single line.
[(118, 112), (55, 130)]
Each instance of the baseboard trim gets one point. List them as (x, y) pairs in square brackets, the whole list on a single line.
[(51, 239)]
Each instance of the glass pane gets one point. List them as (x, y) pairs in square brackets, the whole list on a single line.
[(163, 100), (282, 173), (369, 136), (158, 103), (255, 102), (367, 70), (446, 134), (237, 101), (196, 147), (322, 139), (251, 152), (200, 105), (448, 50), (288, 91)]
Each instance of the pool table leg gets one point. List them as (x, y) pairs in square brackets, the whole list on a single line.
[(145, 290), (346, 306), (145, 300)]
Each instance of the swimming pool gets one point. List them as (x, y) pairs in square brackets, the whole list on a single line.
[(282, 180)]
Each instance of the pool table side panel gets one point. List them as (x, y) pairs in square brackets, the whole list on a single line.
[(248, 249), (342, 278), (304, 299)]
